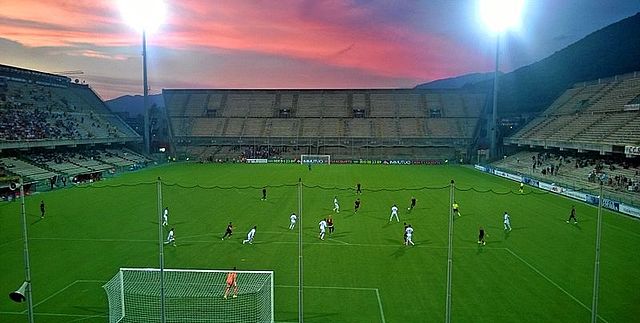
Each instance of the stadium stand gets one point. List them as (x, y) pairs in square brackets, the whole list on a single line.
[(41, 109), (52, 129), (310, 121), (621, 176), (592, 116)]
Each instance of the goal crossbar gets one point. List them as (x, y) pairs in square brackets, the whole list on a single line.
[(190, 295)]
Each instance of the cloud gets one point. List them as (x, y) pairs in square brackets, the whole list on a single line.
[(369, 37)]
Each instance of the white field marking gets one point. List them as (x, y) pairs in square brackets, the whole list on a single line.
[(336, 240), (65, 288), (382, 319), (95, 239), (328, 287), (10, 241), (215, 234), (380, 306), (274, 242), (55, 314), (552, 282)]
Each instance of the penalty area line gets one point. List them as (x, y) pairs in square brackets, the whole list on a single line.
[(62, 290), (552, 282), (56, 314), (339, 243), (379, 300)]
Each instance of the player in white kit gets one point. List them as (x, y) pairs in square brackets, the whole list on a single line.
[(250, 235), (293, 219), (336, 206), (323, 226), (394, 213), (409, 232), (507, 222), (165, 216), (171, 238)]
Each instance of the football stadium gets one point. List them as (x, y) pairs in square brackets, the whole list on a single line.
[(511, 198)]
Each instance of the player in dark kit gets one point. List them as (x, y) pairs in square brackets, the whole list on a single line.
[(358, 190), (481, 235), (573, 215), (330, 224), (41, 209), (229, 231), (405, 232), (356, 205), (264, 193), (413, 203)]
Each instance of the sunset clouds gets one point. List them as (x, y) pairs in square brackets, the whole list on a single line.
[(252, 44)]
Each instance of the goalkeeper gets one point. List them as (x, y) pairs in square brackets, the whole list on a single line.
[(232, 281)]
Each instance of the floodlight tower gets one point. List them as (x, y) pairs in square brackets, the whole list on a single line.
[(499, 16), (144, 16)]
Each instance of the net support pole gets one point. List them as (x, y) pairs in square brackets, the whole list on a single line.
[(300, 257), (450, 254), (161, 248), (596, 267), (27, 266)]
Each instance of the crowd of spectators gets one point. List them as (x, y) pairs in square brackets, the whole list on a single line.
[(34, 112), (548, 164), (39, 124), (261, 152), (28, 124), (605, 170)]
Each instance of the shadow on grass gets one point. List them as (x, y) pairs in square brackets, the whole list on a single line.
[(575, 224), (402, 249)]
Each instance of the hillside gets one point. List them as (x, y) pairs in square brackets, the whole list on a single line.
[(607, 52), (133, 103), (610, 51), (456, 82)]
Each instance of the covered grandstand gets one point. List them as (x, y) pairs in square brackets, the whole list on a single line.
[(590, 134), (53, 130), (601, 115), (372, 123)]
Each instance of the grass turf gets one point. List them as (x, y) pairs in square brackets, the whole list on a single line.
[(541, 271)]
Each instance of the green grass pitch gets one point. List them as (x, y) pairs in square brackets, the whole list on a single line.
[(542, 271)]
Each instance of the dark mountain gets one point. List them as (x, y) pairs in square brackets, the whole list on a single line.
[(610, 51), (133, 103), (456, 82)]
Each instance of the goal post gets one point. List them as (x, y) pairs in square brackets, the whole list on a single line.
[(190, 296), (315, 159)]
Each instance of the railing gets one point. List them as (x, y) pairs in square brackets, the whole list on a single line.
[(64, 142), (576, 185)]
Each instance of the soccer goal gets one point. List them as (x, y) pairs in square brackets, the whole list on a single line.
[(189, 296), (315, 159)]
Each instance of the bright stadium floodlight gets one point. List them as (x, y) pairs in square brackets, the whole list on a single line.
[(145, 16), (498, 16)]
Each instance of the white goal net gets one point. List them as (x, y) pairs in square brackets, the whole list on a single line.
[(189, 296), (315, 159)]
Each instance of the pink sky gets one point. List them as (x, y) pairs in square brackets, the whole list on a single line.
[(276, 44)]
